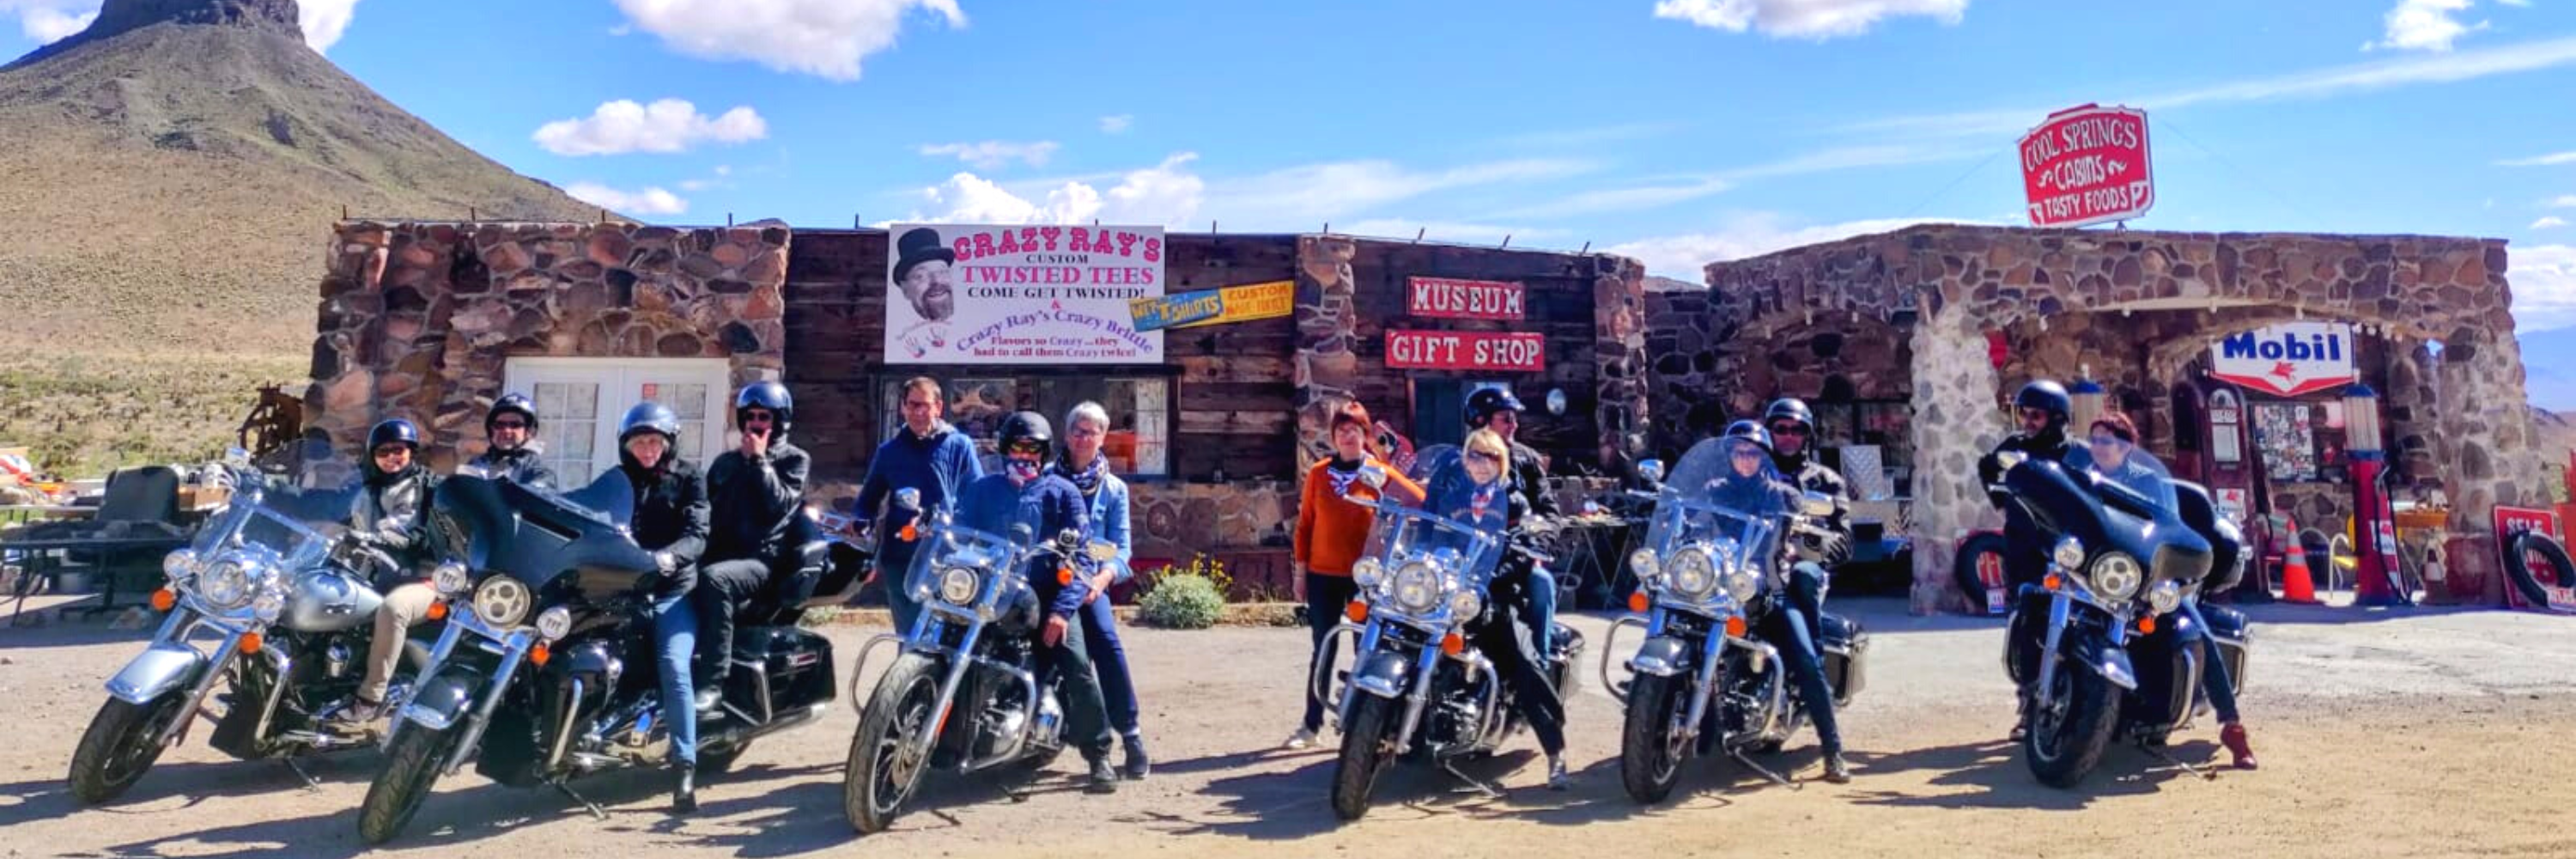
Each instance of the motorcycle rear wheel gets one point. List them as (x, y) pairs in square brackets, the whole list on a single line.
[(411, 769), (119, 746), (906, 698), (1651, 748), (2063, 748), (1368, 745)]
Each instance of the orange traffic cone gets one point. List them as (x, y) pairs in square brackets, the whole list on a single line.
[(2296, 586)]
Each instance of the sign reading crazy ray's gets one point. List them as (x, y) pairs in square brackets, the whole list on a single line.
[(976, 294), (2286, 360)]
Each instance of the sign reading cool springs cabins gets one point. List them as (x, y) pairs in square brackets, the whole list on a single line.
[(979, 294), (2087, 165)]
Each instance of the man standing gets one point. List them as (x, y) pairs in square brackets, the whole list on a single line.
[(755, 492), (926, 454), (511, 425)]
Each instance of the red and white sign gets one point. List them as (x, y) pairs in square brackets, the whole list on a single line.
[(1463, 299), (1466, 350), (2510, 521), (2088, 165), (2286, 360)]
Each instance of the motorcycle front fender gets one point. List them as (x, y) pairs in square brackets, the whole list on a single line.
[(2110, 662), (440, 702), (1663, 656), (164, 666), (1385, 673)]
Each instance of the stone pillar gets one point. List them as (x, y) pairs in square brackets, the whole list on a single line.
[(1955, 422), (1327, 320), (2486, 450), (1619, 326)]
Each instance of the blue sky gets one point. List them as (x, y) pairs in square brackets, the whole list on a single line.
[(1680, 131)]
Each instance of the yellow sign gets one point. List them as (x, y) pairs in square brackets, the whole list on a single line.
[(1258, 301)]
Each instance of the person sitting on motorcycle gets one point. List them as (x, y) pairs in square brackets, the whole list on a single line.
[(2111, 450), (391, 515), (754, 494), (1793, 432), (2042, 409), (1496, 411), (511, 426), (1488, 499), (671, 522), (1025, 495), (1752, 484)]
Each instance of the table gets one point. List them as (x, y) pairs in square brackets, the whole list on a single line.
[(37, 560)]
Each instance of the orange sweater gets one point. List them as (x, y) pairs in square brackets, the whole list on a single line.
[(1331, 532)]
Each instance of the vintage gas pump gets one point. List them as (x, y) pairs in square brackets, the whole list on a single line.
[(2088, 396), (2374, 524)]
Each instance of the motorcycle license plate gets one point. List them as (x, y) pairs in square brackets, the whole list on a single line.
[(1994, 600), (2562, 599)]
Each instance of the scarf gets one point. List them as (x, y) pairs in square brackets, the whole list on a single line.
[(1087, 479)]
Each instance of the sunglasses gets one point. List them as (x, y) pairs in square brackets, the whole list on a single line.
[(1789, 429), (1488, 457), (2035, 414), (1748, 453), (509, 425), (389, 452), (1035, 447), (758, 418)]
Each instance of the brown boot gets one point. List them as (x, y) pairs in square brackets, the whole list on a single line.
[(2233, 737)]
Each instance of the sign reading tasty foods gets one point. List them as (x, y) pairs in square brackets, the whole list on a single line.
[(1008, 294), (1466, 350), (2087, 165), (1446, 298)]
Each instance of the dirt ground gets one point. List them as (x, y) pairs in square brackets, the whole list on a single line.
[(2415, 734)]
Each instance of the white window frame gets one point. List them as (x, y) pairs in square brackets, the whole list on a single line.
[(619, 381)]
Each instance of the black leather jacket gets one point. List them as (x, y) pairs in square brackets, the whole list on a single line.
[(521, 466), (670, 518), (755, 502), (392, 512), (1811, 476)]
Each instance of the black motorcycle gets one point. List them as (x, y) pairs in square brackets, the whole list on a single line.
[(548, 602), (2102, 642)]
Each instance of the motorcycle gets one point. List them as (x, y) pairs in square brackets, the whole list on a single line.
[(548, 599), (2116, 654), (1702, 681), (259, 597), (974, 644), (1419, 689)]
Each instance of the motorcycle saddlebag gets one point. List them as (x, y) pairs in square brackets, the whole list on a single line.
[(1842, 646), (798, 665)]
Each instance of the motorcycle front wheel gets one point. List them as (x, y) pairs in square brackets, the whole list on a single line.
[(2067, 738), (879, 777), (1368, 745), (411, 768), (1651, 744), (120, 745)]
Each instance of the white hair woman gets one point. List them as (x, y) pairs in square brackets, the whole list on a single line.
[(1085, 428)]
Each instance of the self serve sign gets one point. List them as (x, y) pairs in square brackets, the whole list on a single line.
[(2286, 360)]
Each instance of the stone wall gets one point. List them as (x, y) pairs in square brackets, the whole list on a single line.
[(418, 320)]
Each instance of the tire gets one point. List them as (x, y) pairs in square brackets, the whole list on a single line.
[(715, 763), (1651, 748), (118, 748), (411, 769), (1964, 569), (2062, 756), (1368, 745), (905, 698), (2517, 567)]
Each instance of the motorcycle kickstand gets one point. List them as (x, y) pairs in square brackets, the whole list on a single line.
[(310, 783), (2160, 754), (1765, 772), (595, 811), (1473, 785)]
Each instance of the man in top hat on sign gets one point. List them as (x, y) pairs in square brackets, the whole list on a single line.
[(925, 271)]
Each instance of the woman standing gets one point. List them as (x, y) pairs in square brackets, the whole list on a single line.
[(1331, 533), (1084, 429)]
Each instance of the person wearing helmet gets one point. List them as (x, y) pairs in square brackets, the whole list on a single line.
[(1793, 442), (1487, 498), (511, 426), (390, 515), (928, 455), (1752, 483), (755, 492), (2041, 410), (671, 522), (1496, 409), (1026, 496)]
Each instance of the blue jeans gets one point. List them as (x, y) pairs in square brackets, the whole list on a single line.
[(1109, 662), (1796, 626), (894, 568), (1540, 608), (675, 645), (2214, 679)]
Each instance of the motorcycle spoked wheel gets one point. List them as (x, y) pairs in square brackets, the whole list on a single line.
[(876, 781), (1651, 742), (118, 747), (411, 770), (1368, 747), (2066, 739)]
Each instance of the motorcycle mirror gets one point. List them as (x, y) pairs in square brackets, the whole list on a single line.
[(2011, 458), (1816, 504), (908, 498), (1556, 401), (1374, 475), (1067, 539), (1022, 533), (1652, 470), (472, 471), (237, 457)]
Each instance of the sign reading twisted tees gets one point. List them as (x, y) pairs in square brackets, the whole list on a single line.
[(1000, 294)]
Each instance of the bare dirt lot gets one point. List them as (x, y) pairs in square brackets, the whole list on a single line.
[(2420, 734)]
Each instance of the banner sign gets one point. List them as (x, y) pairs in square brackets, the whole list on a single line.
[(1465, 350), (2087, 165), (2512, 521), (996, 294), (1216, 306), (2286, 360), (1444, 298)]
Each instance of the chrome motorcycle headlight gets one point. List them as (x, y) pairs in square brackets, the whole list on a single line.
[(1465, 604), (1417, 588), (554, 623), (226, 584), (2069, 554), (1368, 573), (1740, 583), (502, 601), (270, 604), (179, 565), (1643, 562), (451, 578), (1694, 574), (2116, 576), (957, 586), (2164, 597)]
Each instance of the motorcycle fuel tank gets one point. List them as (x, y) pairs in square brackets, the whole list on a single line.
[(328, 601)]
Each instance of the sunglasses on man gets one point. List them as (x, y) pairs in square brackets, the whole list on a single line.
[(509, 425), (1032, 448)]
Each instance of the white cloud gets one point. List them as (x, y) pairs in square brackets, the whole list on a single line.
[(648, 201), (1747, 235), (46, 25), (2543, 278), (1166, 194), (2551, 159), (49, 21), (826, 38), (324, 20), (994, 154), (668, 125), (2550, 222), (1117, 124), (1809, 19), (2424, 25), (2564, 201)]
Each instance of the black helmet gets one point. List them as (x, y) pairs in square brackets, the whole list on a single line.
[(766, 394), (1749, 431), (1789, 408), (648, 417), (1482, 405), (518, 404), (393, 431), (1025, 426), (2046, 396)]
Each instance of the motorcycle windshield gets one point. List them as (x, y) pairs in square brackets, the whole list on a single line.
[(2105, 515), (277, 520), (1689, 521), (1418, 561), (951, 547), (535, 536)]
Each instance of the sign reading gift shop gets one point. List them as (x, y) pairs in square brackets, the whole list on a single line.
[(1445, 298), (2087, 165), (2286, 360), (1497, 351), (996, 294)]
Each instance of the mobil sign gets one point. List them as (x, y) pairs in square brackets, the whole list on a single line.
[(2286, 360), (2087, 165)]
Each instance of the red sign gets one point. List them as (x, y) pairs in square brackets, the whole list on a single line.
[(1465, 350), (2510, 521), (2087, 165), (1463, 299)]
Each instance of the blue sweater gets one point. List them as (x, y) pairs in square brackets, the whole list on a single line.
[(1049, 505), (940, 466)]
